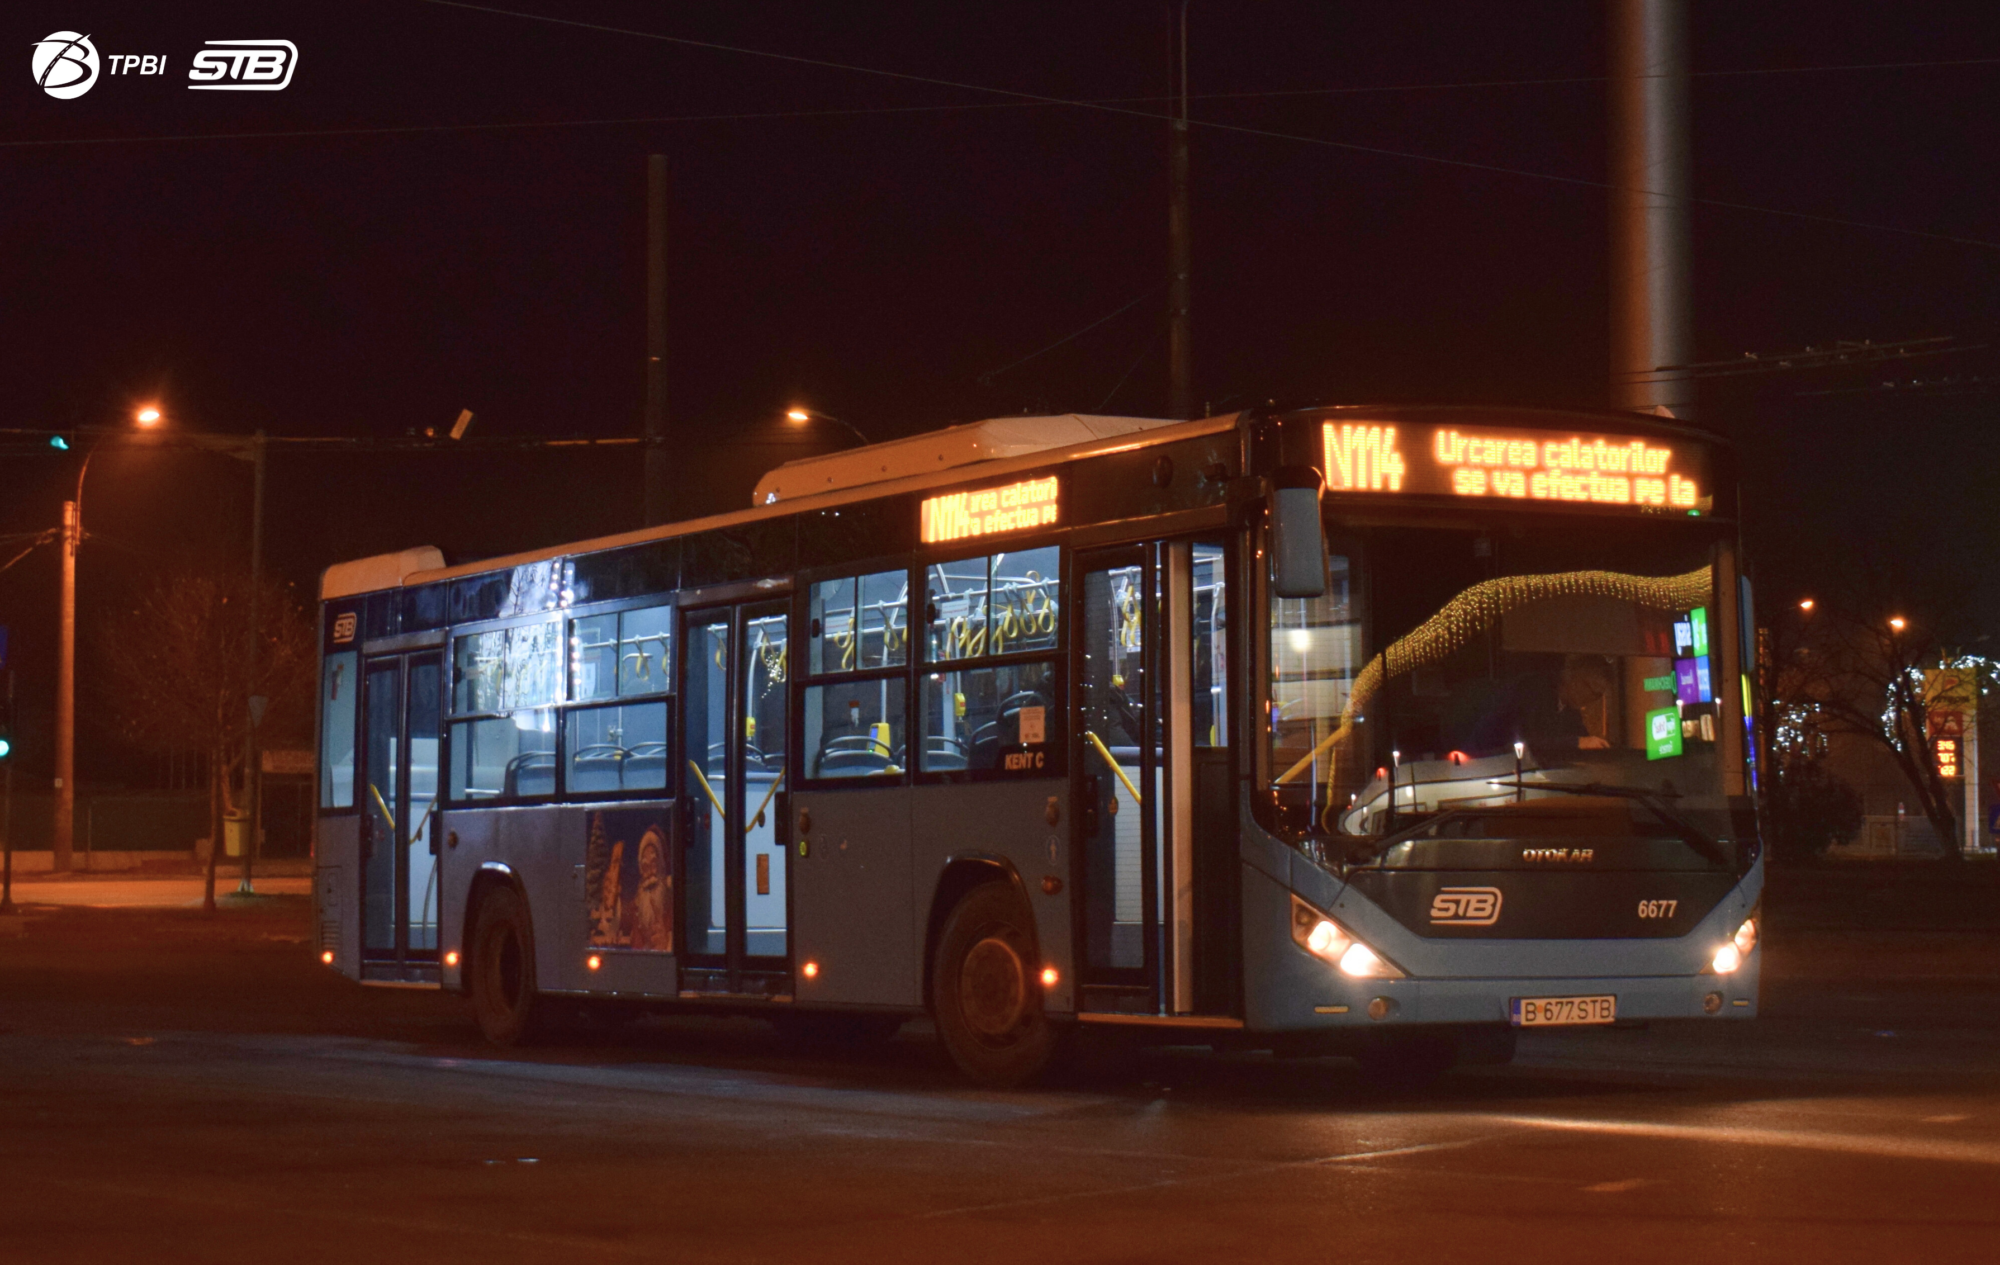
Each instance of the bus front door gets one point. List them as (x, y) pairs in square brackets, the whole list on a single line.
[(401, 715), (735, 905), (1148, 713)]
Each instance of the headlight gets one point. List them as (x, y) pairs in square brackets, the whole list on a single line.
[(1326, 939), (1732, 955)]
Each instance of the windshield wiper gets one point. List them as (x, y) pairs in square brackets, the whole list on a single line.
[(1373, 851), (1692, 835)]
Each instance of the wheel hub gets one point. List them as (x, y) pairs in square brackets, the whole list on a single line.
[(992, 987)]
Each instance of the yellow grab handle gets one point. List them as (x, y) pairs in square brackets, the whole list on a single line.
[(1105, 751)]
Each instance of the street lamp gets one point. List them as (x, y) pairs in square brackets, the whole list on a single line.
[(802, 416), (64, 839), (1896, 622), (1806, 605)]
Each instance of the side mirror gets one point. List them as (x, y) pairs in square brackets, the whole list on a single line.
[(1298, 546)]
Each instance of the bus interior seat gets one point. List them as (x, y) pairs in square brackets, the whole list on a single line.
[(599, 767), (530, 774), (646, 766)]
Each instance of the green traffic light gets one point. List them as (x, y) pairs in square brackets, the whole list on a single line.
[(6, 748), (59, 443)]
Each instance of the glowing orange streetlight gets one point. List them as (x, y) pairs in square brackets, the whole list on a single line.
[(1896, 622), (1806, 604), (148, 416), (802, 415)]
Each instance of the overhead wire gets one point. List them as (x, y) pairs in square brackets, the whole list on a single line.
[(986, 379), (1214, 125)]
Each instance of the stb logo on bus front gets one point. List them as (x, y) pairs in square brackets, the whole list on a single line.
[(1466, 907), (65, 65), (243, 65)]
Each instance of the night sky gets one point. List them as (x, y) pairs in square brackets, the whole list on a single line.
[(877, 248)]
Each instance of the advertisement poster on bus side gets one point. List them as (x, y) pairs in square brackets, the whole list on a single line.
[(629, 880)]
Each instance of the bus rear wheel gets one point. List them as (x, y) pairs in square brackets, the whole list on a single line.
[(986, 990), (504, 998)]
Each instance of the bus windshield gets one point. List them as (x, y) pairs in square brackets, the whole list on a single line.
[(1568, 667)]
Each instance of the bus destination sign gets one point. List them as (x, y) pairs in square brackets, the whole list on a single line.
[(1522, 465), (1008, 510)]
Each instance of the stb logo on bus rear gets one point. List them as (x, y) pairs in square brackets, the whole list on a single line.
[(1465, 907), (244, 65)]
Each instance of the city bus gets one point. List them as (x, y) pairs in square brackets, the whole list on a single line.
[(1382, 732)]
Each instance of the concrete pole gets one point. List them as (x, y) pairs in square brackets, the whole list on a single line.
[(253, 779), (1652, 310), (1180, 336), (65, 807), (661, 503)]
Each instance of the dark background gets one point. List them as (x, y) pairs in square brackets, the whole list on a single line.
[(416, 257)]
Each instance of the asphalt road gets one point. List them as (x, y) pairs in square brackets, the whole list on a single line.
[(177, 1088)]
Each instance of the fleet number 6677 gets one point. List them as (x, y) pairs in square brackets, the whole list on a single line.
[(1657, 908)]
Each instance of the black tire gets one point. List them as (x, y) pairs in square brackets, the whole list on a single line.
[(504, 997), (986, 991), (1406, 1061)]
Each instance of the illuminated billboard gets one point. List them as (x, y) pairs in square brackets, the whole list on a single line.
[(1011, 509), (1562, 467)]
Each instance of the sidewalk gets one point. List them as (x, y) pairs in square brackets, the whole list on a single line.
[(121, 891)]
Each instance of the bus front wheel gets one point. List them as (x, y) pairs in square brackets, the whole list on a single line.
[(986, 989), (503, 969)]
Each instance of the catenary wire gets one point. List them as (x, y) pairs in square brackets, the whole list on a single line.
[(1215, 126)]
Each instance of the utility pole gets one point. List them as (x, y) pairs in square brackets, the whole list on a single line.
[(253, 776), (65, 807), (1180, 346), (660, 502), (1652, 308)]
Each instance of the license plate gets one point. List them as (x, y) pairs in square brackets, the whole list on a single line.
[(1552, 1012)]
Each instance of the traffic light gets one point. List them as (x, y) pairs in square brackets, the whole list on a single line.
[(58, 443), (6, 728)]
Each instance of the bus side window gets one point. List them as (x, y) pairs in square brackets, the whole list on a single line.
[(339, 690), (857, 634), (1005, 716)]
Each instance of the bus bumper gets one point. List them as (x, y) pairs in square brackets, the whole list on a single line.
[(1383, 1003)]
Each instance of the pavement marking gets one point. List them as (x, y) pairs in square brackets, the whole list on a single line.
[(1842, 1143), (1619, 1188), (1247, 1170)]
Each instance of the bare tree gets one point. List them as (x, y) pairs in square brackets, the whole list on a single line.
[(1858, 667), (171, 675)]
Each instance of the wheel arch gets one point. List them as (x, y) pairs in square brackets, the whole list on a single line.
[(962, 872), (491, 877)]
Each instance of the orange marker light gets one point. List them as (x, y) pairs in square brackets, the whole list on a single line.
[(327, 957), (1049, 977), (593, 961), (451, 958), (810, 970)]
